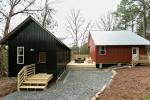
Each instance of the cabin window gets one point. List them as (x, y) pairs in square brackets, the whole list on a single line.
[(42, 57), (134, 51), (20, 55), (102, 50)]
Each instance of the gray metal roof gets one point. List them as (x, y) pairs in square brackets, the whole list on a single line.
[(118, 38)]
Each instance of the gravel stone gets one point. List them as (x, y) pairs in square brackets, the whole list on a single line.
[(77, 85)]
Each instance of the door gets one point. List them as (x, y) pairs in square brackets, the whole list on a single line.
[(135, 53), (41, 63)]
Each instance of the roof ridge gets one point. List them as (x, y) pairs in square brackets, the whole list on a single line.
[(4, 39)]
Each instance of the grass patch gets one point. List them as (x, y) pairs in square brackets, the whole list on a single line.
[(147, 97)]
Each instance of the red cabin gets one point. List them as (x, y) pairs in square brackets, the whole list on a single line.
[(115, 47)]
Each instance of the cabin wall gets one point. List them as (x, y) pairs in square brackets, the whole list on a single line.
[(63, 57), (32, 36), (117, 54), (92, 51)]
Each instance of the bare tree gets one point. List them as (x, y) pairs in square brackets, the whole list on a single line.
[(16, 7), (45, 17), (77, 27), (106, 22), (9, 9)]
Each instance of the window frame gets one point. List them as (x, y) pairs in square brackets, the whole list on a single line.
[(100, 50), (39, 61), (18, 55)]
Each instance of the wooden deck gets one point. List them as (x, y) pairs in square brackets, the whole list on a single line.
[(87, 65), (32, 81)]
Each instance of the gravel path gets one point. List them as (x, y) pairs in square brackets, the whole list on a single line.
[(77, 85)]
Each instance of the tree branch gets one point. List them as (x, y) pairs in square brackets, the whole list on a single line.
[(3, 14), (25, 10)]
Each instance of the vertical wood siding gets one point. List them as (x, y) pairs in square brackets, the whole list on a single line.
[(92, 47), (117, 54), (32, 36)]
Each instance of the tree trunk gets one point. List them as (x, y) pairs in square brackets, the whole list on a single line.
[(6, 30), (132, 24), (45, 14), (145, 24), (125, 26), (7, 26), (144, 19)]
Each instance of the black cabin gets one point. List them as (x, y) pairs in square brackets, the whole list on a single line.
[(31, 43)]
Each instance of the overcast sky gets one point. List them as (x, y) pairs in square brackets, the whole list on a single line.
[(90, 9)]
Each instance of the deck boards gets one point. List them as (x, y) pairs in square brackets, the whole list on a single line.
[(32, 87), (40, 76)]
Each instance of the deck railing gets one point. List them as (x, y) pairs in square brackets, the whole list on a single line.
[(25, 72)]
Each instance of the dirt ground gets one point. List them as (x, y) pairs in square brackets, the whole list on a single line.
[(129, 84), (7, 85)]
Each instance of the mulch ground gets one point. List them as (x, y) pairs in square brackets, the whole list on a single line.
[(129, 84), (7, 85)]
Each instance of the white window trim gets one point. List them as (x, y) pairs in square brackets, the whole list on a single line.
[(100, 50), (20, 55)]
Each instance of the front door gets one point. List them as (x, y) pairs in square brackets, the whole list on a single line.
[(41, 64), (135, 53)]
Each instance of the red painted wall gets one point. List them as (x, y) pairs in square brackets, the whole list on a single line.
[(92, 47), (117, 54), (114, 54)]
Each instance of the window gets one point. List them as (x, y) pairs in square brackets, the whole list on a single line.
[(102, 50), (20, 55), (42, 57), (134, 50)]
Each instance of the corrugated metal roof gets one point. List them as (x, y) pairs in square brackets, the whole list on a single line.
[(118, 38)]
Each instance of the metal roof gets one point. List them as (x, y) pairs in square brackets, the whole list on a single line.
[(117, 38)]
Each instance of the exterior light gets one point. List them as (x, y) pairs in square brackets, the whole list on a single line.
[(31, 49)]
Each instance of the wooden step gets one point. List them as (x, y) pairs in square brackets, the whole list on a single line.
[(42, 77), (35, 82), (32, 87)]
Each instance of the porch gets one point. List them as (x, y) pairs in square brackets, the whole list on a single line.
[(141, 59)]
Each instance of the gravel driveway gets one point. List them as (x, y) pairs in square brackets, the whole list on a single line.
[(77, 85)]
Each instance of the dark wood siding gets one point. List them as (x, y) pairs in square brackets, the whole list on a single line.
[(33, 36), (62, 58)]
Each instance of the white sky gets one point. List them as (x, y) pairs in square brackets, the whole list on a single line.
[(90, 9)]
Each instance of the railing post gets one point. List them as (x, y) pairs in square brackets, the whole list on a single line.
[(18, 82), (34, 68), (132, 62), (25, 72)]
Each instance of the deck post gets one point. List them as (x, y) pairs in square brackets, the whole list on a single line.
[(132, 63), (119, 64), (100, 65)]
